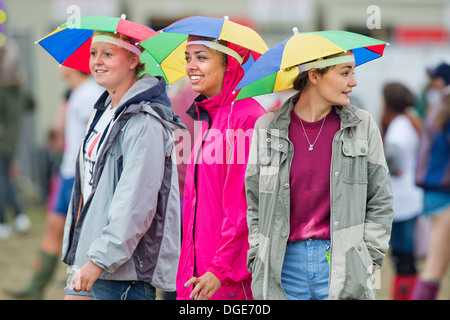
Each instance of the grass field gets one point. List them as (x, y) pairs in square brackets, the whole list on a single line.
[(17, 255)]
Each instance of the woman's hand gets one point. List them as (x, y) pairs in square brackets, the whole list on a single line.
[(85, 277), (204, 286)]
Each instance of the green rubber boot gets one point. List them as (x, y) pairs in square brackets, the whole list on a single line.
[(39, 280)]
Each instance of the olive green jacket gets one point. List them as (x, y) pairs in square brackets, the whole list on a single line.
[(361, 203)]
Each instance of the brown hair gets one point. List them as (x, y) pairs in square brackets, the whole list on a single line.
[(140, 67), (301, 80), (398, 99)]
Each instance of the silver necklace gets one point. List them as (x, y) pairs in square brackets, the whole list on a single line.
[(311, 146)]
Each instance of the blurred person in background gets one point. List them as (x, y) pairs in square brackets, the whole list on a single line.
[(70, 123), (432, 92), (439, 80), (13, 102), (433, 175), (401, 128)]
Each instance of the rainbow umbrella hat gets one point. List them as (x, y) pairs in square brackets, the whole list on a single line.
[(277, 68), (164, 55), (70, 43)]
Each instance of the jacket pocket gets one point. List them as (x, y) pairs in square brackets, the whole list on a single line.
[(268, 170), (355, 161), (358, 283), (251, 257), (257, 268)]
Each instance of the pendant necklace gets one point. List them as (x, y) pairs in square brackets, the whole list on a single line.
[(311, 146)]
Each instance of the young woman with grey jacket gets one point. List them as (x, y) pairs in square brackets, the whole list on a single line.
[(318, 193), (122, 233)]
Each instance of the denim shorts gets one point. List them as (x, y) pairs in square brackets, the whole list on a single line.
[(306, 270), (123, 290), (65, 193), (435, 202)]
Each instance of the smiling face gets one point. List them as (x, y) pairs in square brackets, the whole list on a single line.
[(111, 66), (335, 85), (205, 68)]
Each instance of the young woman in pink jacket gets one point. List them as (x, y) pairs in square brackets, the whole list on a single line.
[(214, 248)]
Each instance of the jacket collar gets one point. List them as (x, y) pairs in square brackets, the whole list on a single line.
[(145, 90), (233, 74), (282, 117)]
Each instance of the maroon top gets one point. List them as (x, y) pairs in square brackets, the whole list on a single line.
[(310, 177)]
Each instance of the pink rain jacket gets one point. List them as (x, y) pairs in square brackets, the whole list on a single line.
[(215, 232)]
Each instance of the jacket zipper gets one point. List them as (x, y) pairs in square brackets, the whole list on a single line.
[(200, 149)]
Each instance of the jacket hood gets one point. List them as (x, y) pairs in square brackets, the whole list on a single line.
[(146, 90), (233, 74)]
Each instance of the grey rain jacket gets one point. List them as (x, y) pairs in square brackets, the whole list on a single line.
[(130, 223), (361, 203)]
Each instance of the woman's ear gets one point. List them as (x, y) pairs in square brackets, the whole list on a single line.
[(313, 76), (134, 60)]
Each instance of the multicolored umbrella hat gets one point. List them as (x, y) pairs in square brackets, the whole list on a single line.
[(277, 68), (164, 55), (70, 43)]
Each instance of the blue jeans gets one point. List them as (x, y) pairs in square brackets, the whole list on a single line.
[(402, 235), (305, 270), (123, 290)]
